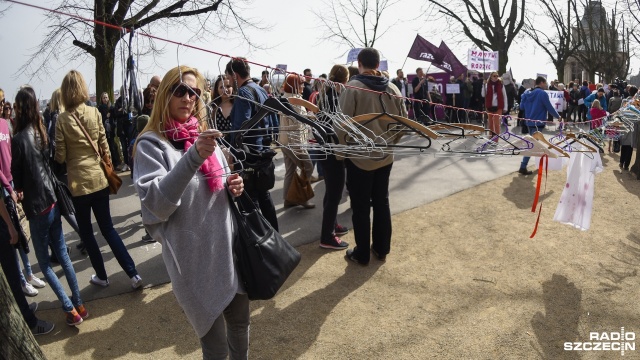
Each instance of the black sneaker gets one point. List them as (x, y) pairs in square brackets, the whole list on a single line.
[(148, 239), (42, 327), (335, 244), (33, 307), (341, 230), (525, 172), (350, 256)]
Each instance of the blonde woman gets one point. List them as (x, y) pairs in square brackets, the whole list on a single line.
[(182, 177), (86, 178), (598, 113), (495, 101)]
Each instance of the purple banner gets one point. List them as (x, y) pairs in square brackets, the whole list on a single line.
[(450, 62), (424, 50)]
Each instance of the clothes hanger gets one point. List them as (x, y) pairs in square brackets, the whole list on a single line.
[(274, 105), (540, 137), (304, 103)]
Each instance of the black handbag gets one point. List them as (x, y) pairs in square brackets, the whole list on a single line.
[(63, 194), (264, 259), (259, 170)]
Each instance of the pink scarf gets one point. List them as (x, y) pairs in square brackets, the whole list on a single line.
[(188, 133)]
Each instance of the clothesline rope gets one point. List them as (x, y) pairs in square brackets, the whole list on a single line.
[(143, 33)]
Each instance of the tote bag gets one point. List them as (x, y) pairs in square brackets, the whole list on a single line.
[(263, 258)]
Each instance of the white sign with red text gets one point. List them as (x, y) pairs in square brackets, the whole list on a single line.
[(483, 61)]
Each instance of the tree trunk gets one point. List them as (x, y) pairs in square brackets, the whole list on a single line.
[(560, 69), (502, 62), (15, 336), (105, 58)]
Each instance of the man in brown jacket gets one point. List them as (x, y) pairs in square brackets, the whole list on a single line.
[(368, 178)]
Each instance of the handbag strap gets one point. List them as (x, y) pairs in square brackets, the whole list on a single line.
[(86, 134)]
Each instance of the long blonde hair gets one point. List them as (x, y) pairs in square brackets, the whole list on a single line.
[(160, 113), (55, 104), (596, 104)]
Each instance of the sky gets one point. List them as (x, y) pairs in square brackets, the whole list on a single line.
[(293, 37)]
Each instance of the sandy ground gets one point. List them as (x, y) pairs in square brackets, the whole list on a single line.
[(463, 281)]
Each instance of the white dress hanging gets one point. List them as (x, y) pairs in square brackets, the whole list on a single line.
[(576, 201)]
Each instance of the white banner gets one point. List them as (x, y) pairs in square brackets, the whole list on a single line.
[(557, 99), (384, 65), (483, 61)]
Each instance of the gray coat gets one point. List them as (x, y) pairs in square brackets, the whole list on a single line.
[(194, 225)]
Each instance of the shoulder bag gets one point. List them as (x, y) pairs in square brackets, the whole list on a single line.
[(105, 161), (300, 190), (63, 194), (264, 259)]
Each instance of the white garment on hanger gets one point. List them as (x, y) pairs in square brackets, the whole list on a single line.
[(576, 201), (558, 163)]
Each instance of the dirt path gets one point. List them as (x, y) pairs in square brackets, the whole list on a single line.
[(463, 281)]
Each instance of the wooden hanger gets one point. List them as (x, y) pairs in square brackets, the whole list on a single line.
[(304, 103), (540, 137), (572, 139), (415, 126), (469, 129)]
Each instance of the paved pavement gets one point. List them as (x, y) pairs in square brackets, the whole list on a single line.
[(415, 180)]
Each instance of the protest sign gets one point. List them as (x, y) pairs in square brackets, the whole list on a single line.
[(483, 61), (353, 55), (453, 88), (557, 99), (384, 66)]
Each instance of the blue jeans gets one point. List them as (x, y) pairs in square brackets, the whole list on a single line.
[(26, 263), (99, 203), (47, 229), (525, 160)]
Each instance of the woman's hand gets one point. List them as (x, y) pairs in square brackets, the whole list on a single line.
[(236, 186), (206, 142)]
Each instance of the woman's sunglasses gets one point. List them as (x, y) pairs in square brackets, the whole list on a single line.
[(179, 90)]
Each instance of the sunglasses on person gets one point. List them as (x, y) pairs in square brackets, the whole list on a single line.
[(179, 90)]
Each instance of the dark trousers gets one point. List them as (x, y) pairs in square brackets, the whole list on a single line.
[(334, 178), (99, 203), (420, 110), (571, 111), (626, 151), (582, 112), (8, 261), (125, 130), (370, 189), (113, 149), (261, 200)]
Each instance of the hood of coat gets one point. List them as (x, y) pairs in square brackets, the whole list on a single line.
[(377, 83)]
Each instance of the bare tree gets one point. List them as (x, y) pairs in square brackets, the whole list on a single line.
[(353, 23), (557, 42), (487, 23), (604, 42), (72, 38)]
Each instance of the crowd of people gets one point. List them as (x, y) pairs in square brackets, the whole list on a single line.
[(180, 143)]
